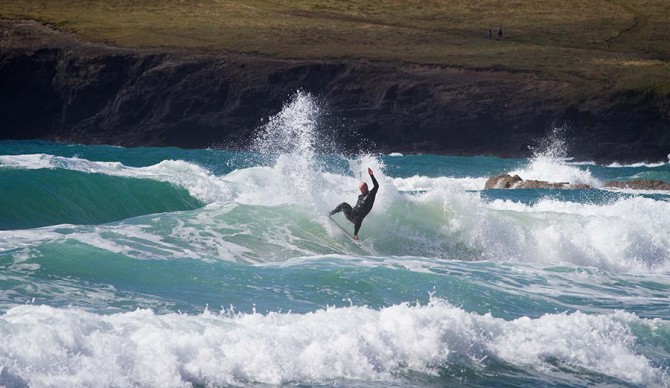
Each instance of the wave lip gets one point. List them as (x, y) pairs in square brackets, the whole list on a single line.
[(37, 198), (200, 183)]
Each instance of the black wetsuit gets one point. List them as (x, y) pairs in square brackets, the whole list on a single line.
[(362, 208)]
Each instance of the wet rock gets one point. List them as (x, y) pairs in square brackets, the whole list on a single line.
[(503, 182), (581, 186), (534, 184), (507, 181), (639, 184)]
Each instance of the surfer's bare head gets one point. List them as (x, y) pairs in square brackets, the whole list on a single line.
[(363, 187)]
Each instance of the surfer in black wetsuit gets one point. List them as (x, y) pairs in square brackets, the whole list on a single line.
[(363, 206)]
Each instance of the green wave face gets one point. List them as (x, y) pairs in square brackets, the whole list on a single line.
[(35, 198)]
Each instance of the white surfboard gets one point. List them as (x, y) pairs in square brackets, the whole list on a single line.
[(343, 230)]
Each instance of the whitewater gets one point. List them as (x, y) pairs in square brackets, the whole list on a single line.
[(173, 267)]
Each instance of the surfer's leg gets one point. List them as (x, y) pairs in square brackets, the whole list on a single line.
[(343, 207), (349, 213)]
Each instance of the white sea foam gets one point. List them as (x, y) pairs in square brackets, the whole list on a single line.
[(626, 234), (422, 183), (33, 161), (637, 165), (22, 241), (45, 346)]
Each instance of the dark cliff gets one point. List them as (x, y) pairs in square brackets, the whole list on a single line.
[(64, 90)]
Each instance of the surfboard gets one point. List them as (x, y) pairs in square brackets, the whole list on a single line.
[(344, 230)]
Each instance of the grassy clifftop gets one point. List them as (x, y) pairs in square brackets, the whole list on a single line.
[(602, 45)]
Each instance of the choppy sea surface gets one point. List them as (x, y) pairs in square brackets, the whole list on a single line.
[(171, 267)]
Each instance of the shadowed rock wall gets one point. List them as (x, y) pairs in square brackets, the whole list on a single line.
[(62, 89)]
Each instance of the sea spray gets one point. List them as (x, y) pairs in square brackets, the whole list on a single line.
[(289, 141), (550, 162), (291, 131), (554, 145), (293, 142)]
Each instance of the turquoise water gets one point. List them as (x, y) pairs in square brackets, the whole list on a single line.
[(171, 267)]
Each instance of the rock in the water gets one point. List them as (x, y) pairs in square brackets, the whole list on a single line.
[(507, 181), (640, 184), (533, 184)]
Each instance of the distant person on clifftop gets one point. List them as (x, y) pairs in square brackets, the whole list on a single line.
[(500, 32), (490, 33), (365, 201)]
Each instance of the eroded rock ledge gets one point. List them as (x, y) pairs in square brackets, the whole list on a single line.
[(507, 181), (639, 184), (53, 86)]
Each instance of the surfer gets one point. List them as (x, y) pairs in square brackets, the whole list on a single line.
[(363, 206)]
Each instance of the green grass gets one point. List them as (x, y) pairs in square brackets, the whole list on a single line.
[(602, 45)]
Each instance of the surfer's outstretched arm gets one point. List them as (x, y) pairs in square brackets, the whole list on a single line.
[(374, 181)]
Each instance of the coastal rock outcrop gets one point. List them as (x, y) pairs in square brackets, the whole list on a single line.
[(639, 184), (54, 87), (507, 181)]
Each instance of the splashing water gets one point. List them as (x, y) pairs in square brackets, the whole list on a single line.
[(290, 140), (550, 162), (293, 130), (553, 146)]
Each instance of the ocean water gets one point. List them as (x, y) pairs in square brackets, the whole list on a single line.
[(169, 267)]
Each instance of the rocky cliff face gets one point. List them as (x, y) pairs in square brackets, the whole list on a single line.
[(54, 87)]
